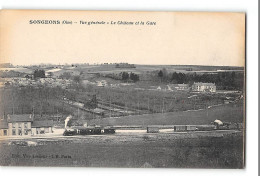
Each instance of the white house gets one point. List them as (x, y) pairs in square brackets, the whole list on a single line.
[(203, 87)]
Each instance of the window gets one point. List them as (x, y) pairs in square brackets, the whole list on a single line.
[(13, 132), (19, 125), (5, 132), (42, 130), (25, 132), (38, 130), (20, 132), (13, 125), (25, 125)]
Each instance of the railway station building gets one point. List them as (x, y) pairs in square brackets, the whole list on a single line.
[(24, 125)]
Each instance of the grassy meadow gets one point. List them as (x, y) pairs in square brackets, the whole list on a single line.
[(147, 150), (227, 113)]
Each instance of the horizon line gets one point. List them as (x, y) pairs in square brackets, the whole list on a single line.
[(81, 63)]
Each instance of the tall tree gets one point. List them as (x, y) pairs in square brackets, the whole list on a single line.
[(125, 76), (160, 75)]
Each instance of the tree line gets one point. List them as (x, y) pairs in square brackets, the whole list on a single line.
[(124, 76), (223, 80)]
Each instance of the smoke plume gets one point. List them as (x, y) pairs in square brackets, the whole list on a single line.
[(67, 120)]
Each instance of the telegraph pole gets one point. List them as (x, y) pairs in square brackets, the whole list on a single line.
[(148, 105), (110, 106), (153, 105), (207, 106), (163, 106), (125, 102), (13, 102), (57, 115), (138, 106)]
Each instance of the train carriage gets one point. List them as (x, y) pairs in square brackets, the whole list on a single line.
[(87, 131)]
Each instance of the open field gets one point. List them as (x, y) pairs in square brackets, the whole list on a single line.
[(227, 113), (105, 69), (186, 150), (47, 100), (145, 68), (19, 69), (110, 67)]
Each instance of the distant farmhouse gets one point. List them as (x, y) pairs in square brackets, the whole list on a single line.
[(179, 87), (125, 65), (203, 87), (24, 125), (102, 83)]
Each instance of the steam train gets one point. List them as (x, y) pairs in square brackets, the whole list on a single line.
[(88, 131)]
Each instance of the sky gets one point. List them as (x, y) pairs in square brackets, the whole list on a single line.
[(178, 38)]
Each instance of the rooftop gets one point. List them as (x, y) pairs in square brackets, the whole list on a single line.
[(3, 124), (179, 85), (204, 84), (20, 118), (25, 118), (42, 123)]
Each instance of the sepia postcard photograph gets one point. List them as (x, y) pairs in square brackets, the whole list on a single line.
[(122, 89)]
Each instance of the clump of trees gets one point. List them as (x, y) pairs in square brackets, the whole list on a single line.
[(38, 74), (125, 76), (134, 77), (130, 77)]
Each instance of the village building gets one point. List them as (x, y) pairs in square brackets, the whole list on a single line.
[(24, 125), (203, 87), (42, 127), (102, 83), (184, 87)]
